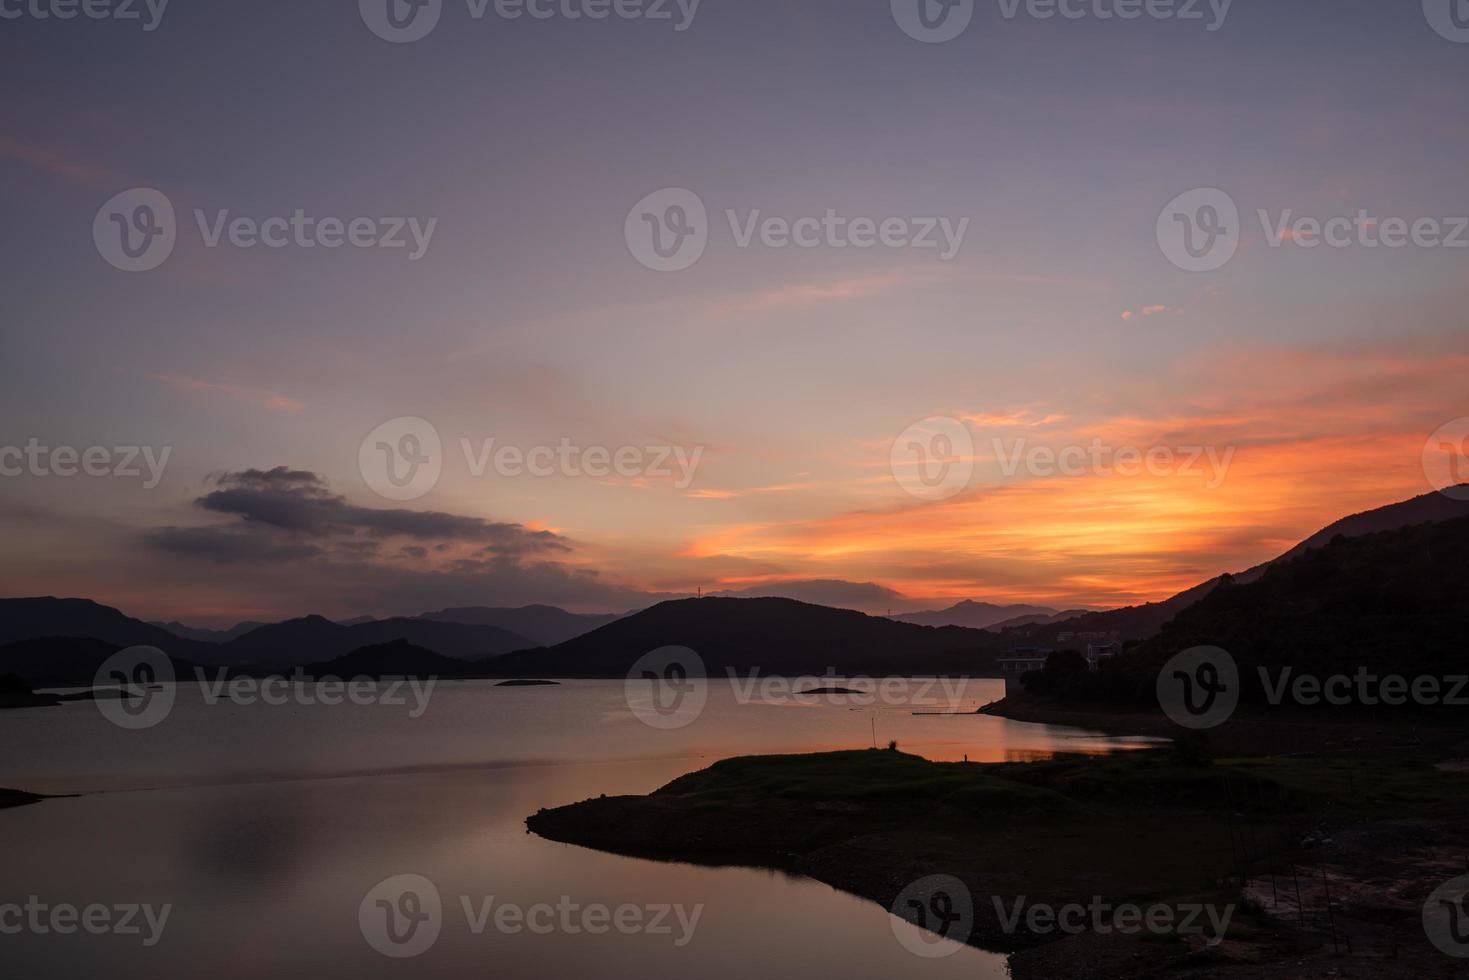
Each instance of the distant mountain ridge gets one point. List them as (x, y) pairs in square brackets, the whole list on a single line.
[(208, 635), (544, 625), (313, 639), (48, 622), (975, 615), (47, 616), (48, 637), (772, 635)]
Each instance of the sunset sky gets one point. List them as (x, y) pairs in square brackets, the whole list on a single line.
[(1320, 372)]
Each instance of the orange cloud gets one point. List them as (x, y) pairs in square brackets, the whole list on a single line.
[(1309, 436)]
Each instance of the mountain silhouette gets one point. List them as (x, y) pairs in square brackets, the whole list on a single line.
[(50, 617), (207, 635), (975, 615), (67, 661), (1147, 619), (776, 636), (544, 625), (1390, 602), (396, 658), (314, 639)]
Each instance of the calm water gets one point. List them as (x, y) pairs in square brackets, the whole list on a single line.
[(264, 828)]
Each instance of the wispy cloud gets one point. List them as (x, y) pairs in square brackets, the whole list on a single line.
[(54, 162), (254, 396)]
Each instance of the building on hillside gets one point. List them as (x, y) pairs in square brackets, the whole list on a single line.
[(1097, 652), (1021, 661)]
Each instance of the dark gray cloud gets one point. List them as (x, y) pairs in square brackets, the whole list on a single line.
[(227, 545), (299, 501), (293, 545)]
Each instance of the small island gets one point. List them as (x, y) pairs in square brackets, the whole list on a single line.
[(528, 683), (14, 797), (18, 693)]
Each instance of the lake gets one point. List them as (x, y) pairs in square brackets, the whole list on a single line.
[(264, 828)]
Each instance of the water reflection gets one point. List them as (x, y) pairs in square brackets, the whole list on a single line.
[(264, 829)]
